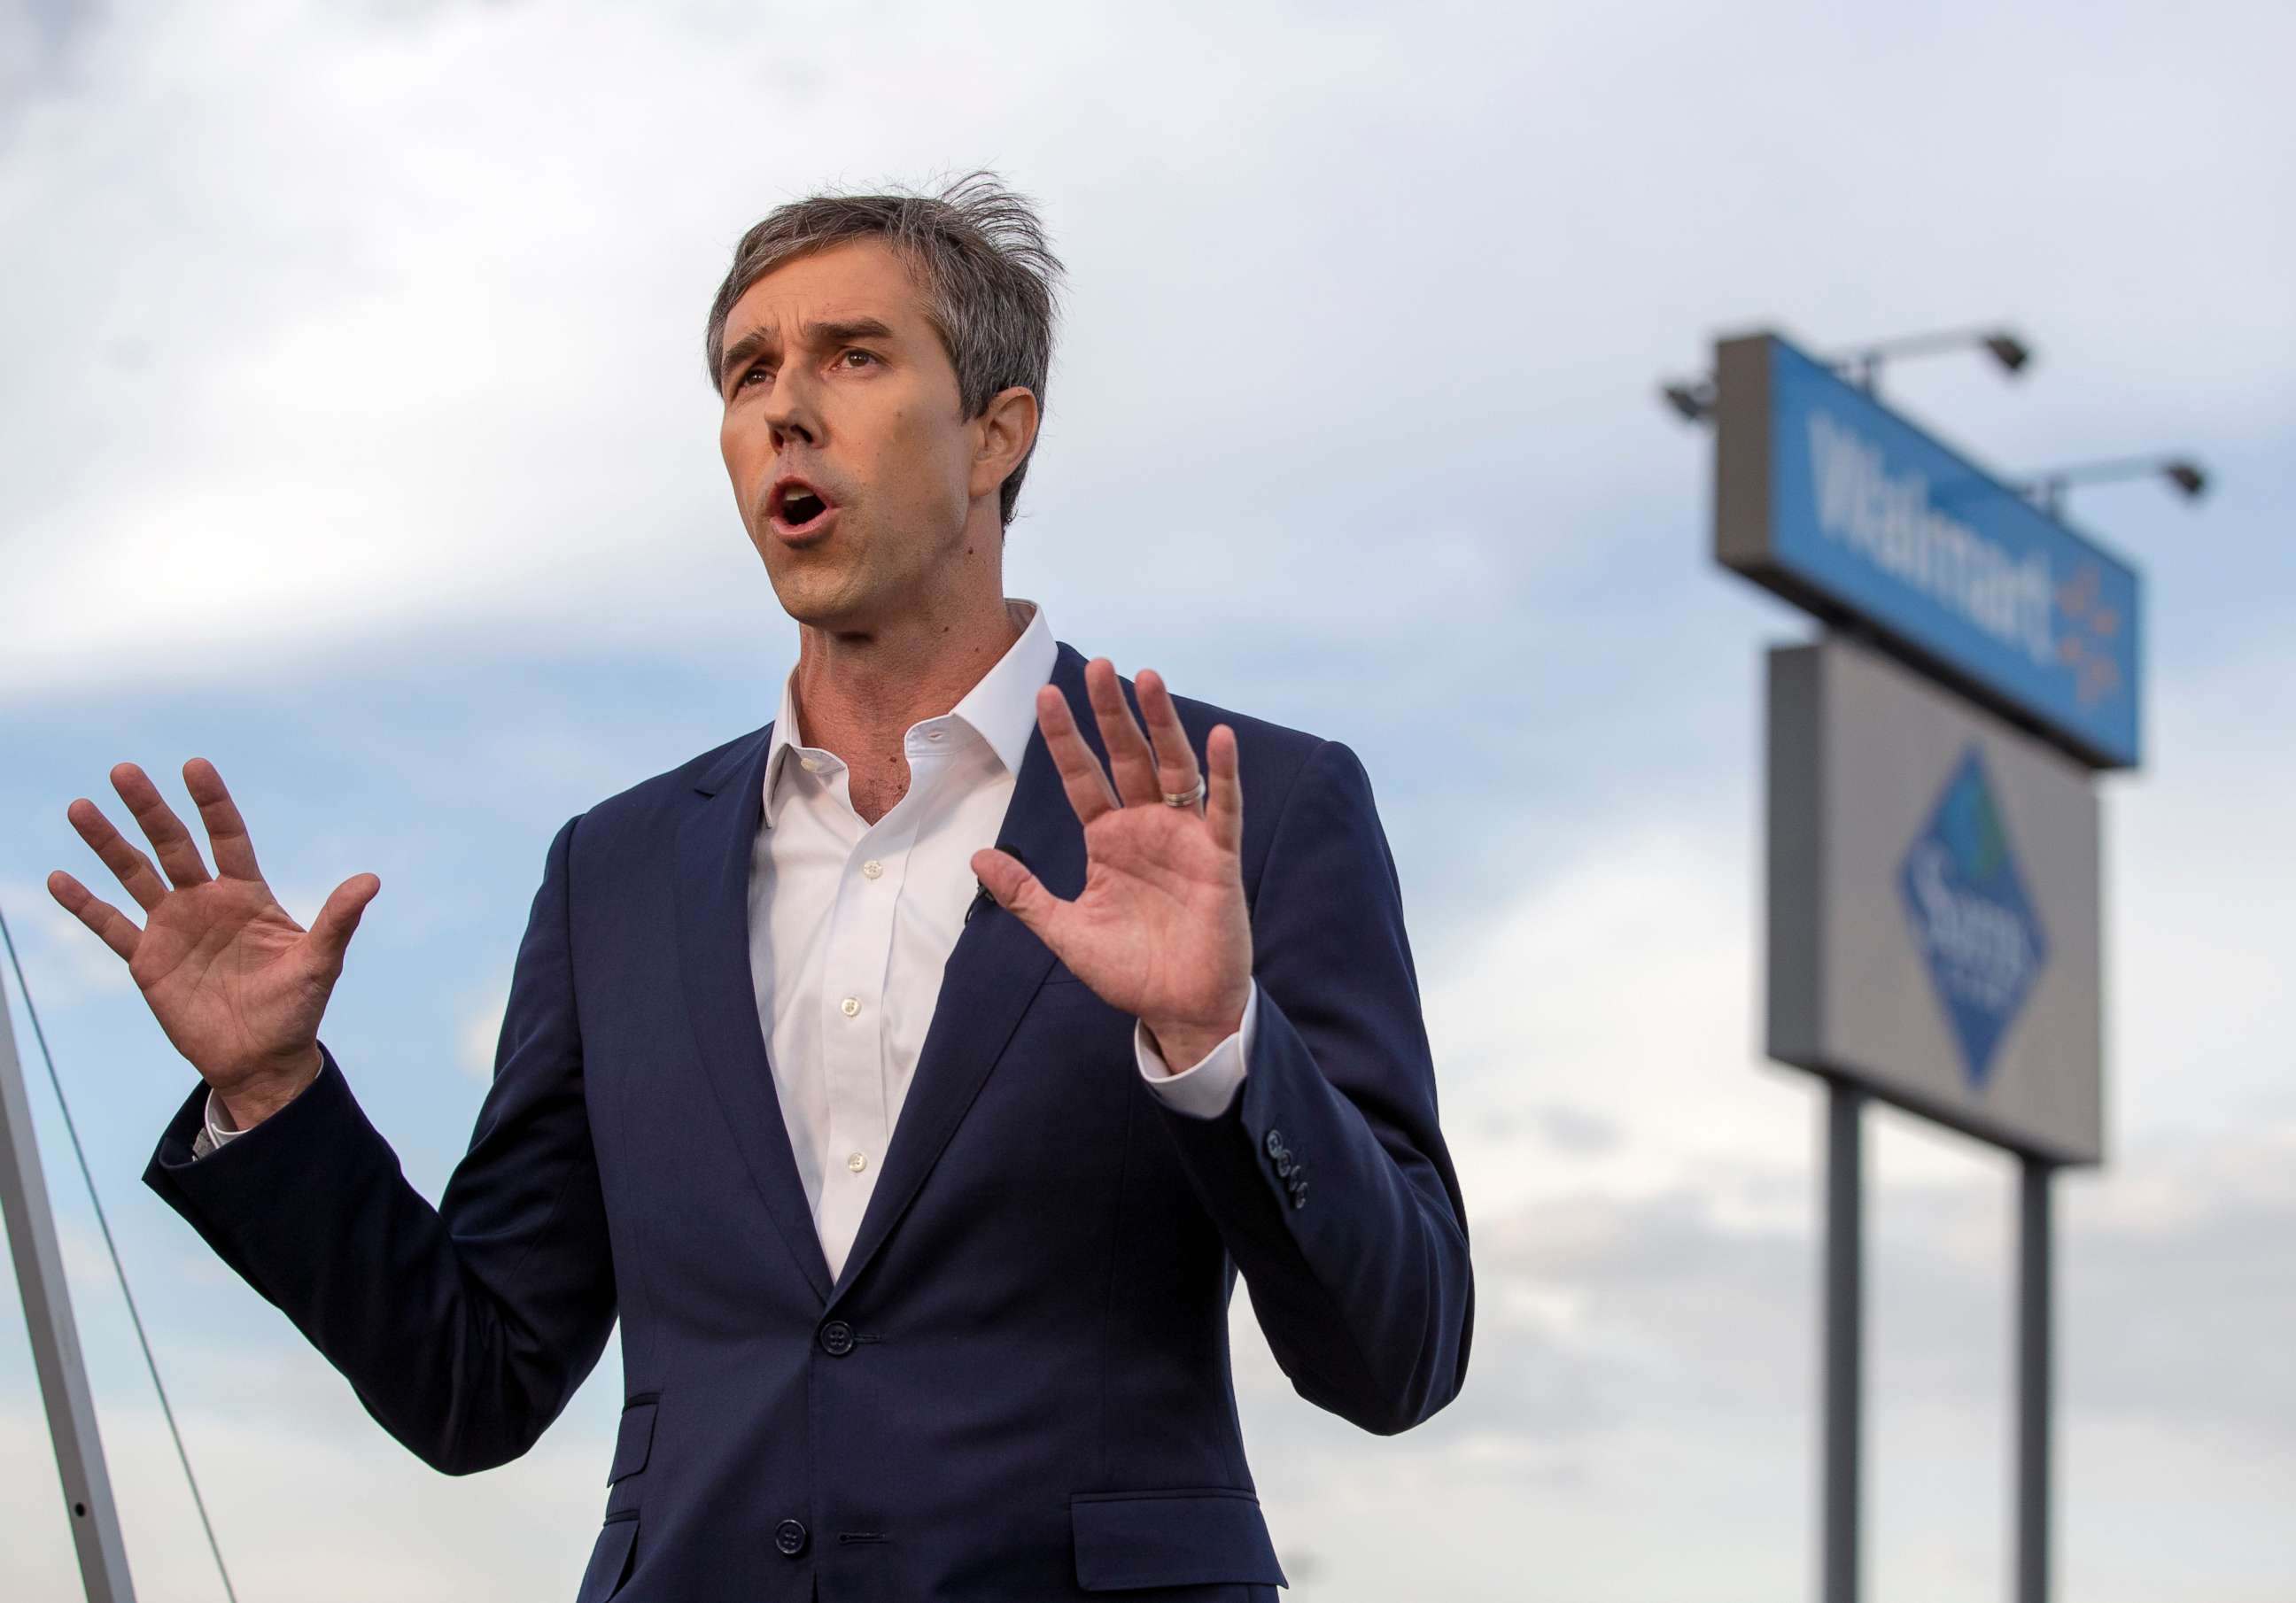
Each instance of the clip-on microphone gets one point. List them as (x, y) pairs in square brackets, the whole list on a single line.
[(981, 892)]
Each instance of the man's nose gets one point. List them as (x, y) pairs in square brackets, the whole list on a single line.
[(792, 411)]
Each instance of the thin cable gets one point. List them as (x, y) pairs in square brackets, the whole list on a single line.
[(117, 1268)]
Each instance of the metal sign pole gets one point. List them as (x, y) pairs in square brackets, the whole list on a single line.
[(2033, 1299), (1845, 1320), (55, 1341)]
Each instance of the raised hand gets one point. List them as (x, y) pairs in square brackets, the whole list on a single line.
[(1161, 929), (237, 984)]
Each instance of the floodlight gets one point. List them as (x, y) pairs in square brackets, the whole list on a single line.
[(2008, 350), (2047, 489), (1693, 398)]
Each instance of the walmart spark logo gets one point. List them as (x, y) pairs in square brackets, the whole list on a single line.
[(2090, 640), (1971, 918)]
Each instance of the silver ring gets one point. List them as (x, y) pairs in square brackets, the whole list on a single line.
[(1188, 798)]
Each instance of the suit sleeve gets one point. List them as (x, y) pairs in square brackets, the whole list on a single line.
[(1327, 1176), (462, 1328)]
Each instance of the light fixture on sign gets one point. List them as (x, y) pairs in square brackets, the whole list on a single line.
[(2047, 490), (1694, 398)]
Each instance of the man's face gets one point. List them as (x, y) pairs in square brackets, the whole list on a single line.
[(853, 464)]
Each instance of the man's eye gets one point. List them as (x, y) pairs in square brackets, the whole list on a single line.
[(753, 372), (858, 358)]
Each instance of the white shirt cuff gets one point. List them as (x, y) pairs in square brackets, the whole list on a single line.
[(1204, 1090), (218, 1131)]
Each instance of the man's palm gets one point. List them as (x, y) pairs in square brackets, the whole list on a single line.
[(1161, 929), (230, 976), (237, 984), (1159, 925)]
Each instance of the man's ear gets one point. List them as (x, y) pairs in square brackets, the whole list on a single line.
[(1008, 428)]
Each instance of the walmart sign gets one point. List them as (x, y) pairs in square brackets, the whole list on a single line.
[(1835, 502)]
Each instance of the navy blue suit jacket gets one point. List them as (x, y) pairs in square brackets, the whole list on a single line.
[(1018, 1387)]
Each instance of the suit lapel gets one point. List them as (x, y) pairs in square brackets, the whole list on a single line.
[(713, 850), (991, 975)]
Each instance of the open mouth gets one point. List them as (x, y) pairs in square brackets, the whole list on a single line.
[(797, 507)]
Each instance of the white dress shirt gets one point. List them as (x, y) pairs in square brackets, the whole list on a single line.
[(851, 924)]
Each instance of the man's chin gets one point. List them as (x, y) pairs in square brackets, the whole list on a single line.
[(819, 599)]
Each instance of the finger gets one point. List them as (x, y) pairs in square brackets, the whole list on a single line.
[(1081, 775), (179, 853), (1129, 760), (235, 853), (1176, 759), (129, 866), (1020, 894), (112, 925), (332, 930), (1223, 795)]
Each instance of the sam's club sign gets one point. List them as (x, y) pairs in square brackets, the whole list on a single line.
[(1971, 917), (1842, 506)]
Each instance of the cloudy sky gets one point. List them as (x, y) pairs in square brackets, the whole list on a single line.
[(354, 436)]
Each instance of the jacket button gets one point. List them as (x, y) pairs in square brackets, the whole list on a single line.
[(790, 1537), (1299, 1195), (837, 1341), (1276, 1144)]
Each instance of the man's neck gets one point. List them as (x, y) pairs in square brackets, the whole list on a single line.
[(856, 695)]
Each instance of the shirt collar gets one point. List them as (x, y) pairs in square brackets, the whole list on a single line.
[(1001, 707)]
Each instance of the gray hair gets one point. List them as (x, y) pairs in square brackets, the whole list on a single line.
[(991, 282)]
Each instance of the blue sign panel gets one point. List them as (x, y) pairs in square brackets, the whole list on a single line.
[(1972, 921), (1861, 513)]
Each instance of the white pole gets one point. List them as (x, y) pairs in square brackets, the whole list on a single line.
[(55, 1341)]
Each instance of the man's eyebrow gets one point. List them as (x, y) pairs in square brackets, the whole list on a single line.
[(739, 354), (843, 331)]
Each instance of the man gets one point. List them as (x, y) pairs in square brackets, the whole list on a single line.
[(911, 1075)]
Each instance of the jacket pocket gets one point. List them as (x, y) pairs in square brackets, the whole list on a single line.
[(1188, 1536), (634, 1442), (610, 1559)]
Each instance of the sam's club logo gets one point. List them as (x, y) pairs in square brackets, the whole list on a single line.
[(1972, 920)]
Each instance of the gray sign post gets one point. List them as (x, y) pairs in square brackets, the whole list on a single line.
[(55, 1341)]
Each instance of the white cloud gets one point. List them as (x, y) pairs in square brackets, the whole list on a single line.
[(390, 328), (1663, 1372), (63, 960), (481, 1031), (297, 1497)]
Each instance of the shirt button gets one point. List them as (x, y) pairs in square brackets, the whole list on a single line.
[(934, 734), (851, 1004), (858, 1162), (872, 869), (811, 765)]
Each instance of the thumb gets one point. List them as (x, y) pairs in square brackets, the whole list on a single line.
[(1018, 891), (332, 930)]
